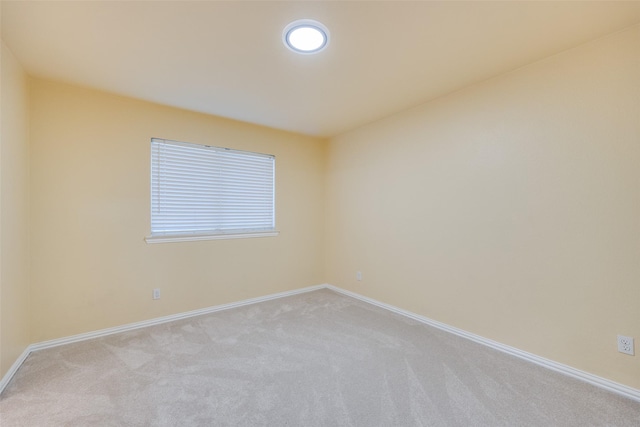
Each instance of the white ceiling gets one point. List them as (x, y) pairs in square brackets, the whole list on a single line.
[(227, 58)]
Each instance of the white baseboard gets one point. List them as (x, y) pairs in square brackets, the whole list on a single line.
[(14, 368), (604, 383), (159, 320), (131, 326)]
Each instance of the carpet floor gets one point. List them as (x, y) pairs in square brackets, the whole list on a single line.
[(313, 359)]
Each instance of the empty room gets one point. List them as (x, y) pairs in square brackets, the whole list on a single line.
[(320, 213)]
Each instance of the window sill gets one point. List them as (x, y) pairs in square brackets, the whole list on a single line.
[(196, 237)]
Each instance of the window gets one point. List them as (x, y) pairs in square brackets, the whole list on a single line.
[(200, 192)]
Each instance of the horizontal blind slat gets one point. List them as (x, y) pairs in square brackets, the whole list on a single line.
[(201, 189)]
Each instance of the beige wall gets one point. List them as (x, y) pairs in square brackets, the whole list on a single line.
[(510, 209), (91, 267), (14, 211)]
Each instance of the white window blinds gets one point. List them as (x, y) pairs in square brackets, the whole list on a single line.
[(202, 190)]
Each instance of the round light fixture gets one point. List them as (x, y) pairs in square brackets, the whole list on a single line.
[(305, 36)]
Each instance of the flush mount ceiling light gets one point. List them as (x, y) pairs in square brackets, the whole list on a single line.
[(305, 36)]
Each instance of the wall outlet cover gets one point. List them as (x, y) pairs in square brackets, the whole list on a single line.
[(625, 345)]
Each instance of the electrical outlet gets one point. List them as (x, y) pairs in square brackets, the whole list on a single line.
[(358, 275), (625, 344), (156, 294)]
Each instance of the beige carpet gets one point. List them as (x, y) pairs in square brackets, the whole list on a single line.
[(315, 359)]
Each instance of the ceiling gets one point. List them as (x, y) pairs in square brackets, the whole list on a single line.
[(227, 58)]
